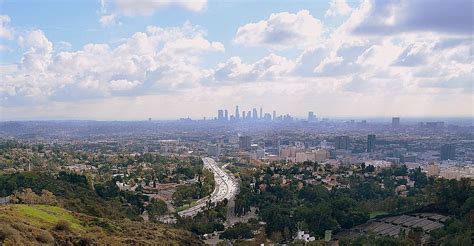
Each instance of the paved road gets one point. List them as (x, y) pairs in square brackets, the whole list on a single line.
[(226, 187)]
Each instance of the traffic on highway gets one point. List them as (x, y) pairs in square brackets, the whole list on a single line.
[(225, 188)]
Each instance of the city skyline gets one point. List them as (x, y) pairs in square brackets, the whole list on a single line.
[(169, 60)]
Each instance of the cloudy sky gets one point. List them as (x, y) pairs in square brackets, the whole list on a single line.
[(130, 60)]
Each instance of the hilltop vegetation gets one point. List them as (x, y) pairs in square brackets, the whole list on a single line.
[(84, 215), (75, 193), (287, 204), (43, 224)]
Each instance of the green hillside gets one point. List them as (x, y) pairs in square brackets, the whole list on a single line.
[(42, 224)]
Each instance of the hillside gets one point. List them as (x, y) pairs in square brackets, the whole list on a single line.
[(43, 224)]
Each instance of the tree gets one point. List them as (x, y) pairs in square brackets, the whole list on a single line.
[(157, 207), (238, 231), (107, 190), (27, 196), (370, 169), (47, 197)]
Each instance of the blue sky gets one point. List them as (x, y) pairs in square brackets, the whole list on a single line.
[(163, 59), (77, 22)]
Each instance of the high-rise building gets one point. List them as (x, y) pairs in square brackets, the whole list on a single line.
[(237, 116), (448, 152), (226, 114), (342, 142), (244, 116), (395, 121), (254, 114), (220, 114), (245, 142), (261, 113), (371, 143), (274, 115), (311, 117), (249, 115)]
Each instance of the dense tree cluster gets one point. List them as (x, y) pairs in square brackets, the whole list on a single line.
[(74, 192), (238, 231), (27, 196), (314, 208)]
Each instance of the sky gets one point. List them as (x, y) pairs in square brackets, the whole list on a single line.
[(131, 60)]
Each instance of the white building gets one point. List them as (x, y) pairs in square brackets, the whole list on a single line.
[(304, 236)]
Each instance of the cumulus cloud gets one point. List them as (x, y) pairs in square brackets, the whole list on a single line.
[(160, 59), (388, 17), (338, 7), (268, 68), (302, 69), (5, 30), (281, 30)]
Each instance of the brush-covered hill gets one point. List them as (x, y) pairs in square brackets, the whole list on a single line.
[(22, 224), (79, 213)]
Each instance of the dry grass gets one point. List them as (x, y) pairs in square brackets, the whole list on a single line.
[(40, 224)]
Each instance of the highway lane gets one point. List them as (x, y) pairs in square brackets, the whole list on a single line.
[(226, 187)]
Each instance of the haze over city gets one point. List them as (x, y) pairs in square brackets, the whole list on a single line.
[(114, 60)]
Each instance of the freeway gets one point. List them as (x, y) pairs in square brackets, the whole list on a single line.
[(225, 188)]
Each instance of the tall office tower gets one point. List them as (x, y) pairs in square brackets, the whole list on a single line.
[(311, 117), (245, 142), (249, 115), (274, 115), (254, 115), (244, 116), (395, 121), (448, 152), (220, 114), (237, 116), (342, 142), (371, 143), (226, 115), (261, 113)]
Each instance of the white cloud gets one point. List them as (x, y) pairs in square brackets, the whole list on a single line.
[(38, 56), (338, 7), (268, 68), (346, 69), (281, 30), (108, 20), (5, 30), (148, 7), (123, 84), (112, 10), (62, 46), (156, 61)]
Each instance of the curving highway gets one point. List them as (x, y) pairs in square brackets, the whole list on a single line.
[(226, 187)]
